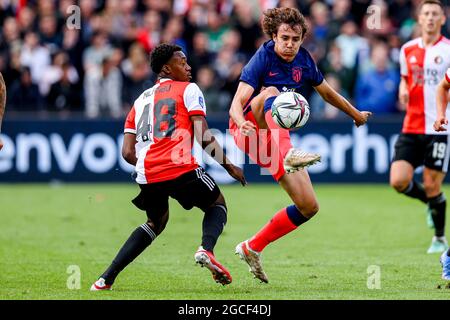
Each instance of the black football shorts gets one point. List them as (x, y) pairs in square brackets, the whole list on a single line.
[(423, 149), (195, 188)]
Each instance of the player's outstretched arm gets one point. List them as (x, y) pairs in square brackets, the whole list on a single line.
[(441, 105), (129, 148), (242, 96), (211, 146), (338, 101), (2, 104)]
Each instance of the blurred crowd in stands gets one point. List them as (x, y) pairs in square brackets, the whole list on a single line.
[(99, 68)]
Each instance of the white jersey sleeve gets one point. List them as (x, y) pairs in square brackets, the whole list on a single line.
[(194, 100), (403, 64), (447, 75)]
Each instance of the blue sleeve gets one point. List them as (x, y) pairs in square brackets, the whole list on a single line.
[(255, 69), (315, 76)]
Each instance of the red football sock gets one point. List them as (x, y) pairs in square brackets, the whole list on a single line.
[(277, 227)]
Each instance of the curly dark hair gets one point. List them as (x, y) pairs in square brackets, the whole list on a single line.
[(273, 18), (161, 55)]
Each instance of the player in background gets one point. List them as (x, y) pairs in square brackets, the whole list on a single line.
[(2, 104), (158, 141), (423, 62), (442, 100), (279, 65)]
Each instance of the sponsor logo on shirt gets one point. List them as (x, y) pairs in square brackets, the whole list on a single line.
[(438, 60)]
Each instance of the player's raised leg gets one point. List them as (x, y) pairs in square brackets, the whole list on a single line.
[(294, 158), (437, 203), (299, 188)]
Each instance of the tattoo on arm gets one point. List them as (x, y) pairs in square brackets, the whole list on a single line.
[(2, 98)]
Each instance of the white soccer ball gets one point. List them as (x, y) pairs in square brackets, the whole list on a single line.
[(290, 110)]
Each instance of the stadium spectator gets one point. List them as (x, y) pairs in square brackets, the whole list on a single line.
[(12, 70), (320, 109), (95, 54), (63, 96), (23, 94), (54, 72), (35, 56), (136, 81), (218, 100), (26, 19), (73, 46), (124, 25), (350, 43), (49, 35), (400, 11), (103, 89), (333, 63), (376, 89), (215, 30), (340, 12), (246, 24), (200, 55), (87, 10), (10, 33), (320, 18), (150, 34), (173, 33)]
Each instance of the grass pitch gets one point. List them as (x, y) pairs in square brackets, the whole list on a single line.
[(47, 230)]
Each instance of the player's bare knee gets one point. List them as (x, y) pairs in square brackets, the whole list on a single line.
[(157, 226), (308, 208), (432, 188), (399, 185), (311, 210)]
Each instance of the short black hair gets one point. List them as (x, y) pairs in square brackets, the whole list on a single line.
[(161, 55)]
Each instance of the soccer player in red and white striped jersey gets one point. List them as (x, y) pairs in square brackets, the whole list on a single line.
[(423, 62), (159, 136)]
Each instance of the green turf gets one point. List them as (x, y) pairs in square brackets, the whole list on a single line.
[(45, 229)]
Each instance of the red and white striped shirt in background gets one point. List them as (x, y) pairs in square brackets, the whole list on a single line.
[(423, 68)]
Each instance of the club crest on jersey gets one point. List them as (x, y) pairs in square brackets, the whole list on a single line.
[(297, 74), (438, 60)]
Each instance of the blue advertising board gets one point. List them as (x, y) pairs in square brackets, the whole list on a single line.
[(90, 151)]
